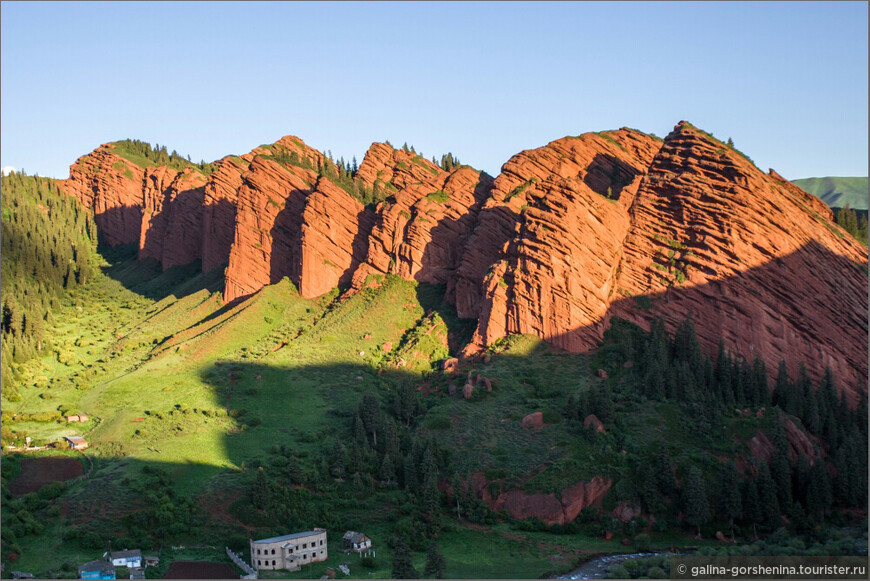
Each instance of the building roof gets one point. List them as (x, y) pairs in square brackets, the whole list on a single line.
[(97, 566), (354, 537), (125, 554), (289, 537), (75, 439)]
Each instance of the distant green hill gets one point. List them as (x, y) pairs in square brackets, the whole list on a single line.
[(837, 192)]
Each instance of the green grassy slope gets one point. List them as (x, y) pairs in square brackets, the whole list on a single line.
[(189, 397), (837, 191)]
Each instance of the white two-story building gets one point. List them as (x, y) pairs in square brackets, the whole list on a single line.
[(289, 552)]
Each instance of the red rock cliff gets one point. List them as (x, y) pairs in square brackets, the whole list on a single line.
[(749, 257), (549, 240), (268, 225), (428, 214), (568, 236), (112, 186), (219, 218)]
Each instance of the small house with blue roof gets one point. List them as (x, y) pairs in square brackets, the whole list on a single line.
[(97, 570)]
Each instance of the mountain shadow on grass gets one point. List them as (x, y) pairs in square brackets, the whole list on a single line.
[(147, 278)]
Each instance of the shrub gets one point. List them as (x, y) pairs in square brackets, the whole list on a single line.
[(551, 416), (440, 197), (642, 542), (439, 423)]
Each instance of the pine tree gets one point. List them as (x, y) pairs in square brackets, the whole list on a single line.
[(434, 562), (770, 510), (801, 389), (387, 472), (403, 568), (819, 497), (369, 411), (782, 389), (842, 482), (759, 375), (411, 478), (751, 505), (729, 503), (695, 506), (359, 431), (431, 495), (664, 474), (261, 495)]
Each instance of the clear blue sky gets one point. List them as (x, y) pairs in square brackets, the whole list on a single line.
[(786, 80)]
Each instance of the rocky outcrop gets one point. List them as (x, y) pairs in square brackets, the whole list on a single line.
[(748, 256), (335, 233), (760, 447), (592, 422), (112, 187), (428, 214), (171, 231), (569, 235), (219, 218), (549, 508), (547, 247), (533, 421), (268, 229), (799, 442)]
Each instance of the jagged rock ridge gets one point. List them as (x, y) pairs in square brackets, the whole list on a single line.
[(570, 234)]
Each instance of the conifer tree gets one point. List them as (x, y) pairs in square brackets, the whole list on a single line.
[(751, 505), (387, 471), (819, 497), (729, 499), (403, 568), (695, 505), (369, 411), (770, 510), (782, 389), (261, 496), (434, 562)]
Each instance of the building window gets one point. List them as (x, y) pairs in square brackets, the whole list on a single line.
[(304, 545), (258, 551), (273, 551), (273, 563), (259, 562)]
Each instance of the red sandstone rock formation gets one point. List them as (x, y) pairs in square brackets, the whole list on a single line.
[(420, 228), (546, 250), (568, 235), (760, 447), (592, 420), (172, 222), (335, 228), (549, 508), (112, 186), (219, 220), (534, 421), (268, 227), (749, 256)]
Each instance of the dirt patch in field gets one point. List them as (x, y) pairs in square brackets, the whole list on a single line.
[(37, 472), (200, 570)]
